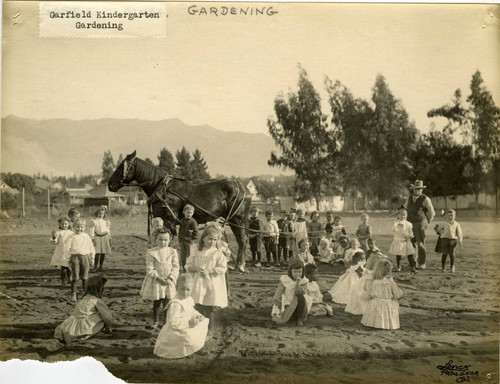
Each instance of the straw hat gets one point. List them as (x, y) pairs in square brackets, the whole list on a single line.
[(419, 184)]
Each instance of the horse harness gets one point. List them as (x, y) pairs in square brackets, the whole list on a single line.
[(164, 188)]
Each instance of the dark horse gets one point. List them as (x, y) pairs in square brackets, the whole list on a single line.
[(226, 198)]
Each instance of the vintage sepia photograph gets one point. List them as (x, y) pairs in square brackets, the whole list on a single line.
[(244, 192)]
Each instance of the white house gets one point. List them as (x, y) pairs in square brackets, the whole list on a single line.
[(7, 188), (253, 190)]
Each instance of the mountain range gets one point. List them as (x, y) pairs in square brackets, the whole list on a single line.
[(63, 146)]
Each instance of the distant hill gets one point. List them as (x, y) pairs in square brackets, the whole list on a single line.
[(64, 146)]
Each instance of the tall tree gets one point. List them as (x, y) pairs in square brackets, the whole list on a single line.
[(184, 164), (392, 140), (108, 166), (443, 163), (478, 119), (199, 166), (166, 161), (120, 159), (351, 119), (300, 130)]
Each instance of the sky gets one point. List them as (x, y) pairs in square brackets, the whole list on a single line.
[(226, 72)]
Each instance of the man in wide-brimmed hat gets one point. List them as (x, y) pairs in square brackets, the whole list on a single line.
[(420, 213)]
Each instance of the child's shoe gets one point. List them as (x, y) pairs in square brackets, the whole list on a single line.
[(74, 298), (453, 269), (258, 264), (443, 270), (398, 269), (422, 266), (413, 270)]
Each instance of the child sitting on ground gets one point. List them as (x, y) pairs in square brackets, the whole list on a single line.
[(372, 248), (358, 300), (342, 289), (90, 316), (290, 302), (354, 247), (325, 251), (185, 330), (303, 254), (364, 231), (340, 248), (319, 307), (337, 228), (382, 310)]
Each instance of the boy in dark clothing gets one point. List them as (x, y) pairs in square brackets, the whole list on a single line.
[(188, 233), (256, 227)]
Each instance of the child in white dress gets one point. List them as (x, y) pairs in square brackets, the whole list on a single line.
[(162, 270), (319, 307), (325, 251), (90, 316), (383, 310), (290, 301), (61, 255), (185, 330), (101, 235), (354, 246), (208, 267), (358, 300), (401, 244), (303, 255), (342, 289)]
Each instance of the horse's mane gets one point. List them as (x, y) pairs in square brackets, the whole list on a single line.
[(153, 172), (147, 171)]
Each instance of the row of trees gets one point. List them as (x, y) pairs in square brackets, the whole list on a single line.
[(185, 165), (373, 147)]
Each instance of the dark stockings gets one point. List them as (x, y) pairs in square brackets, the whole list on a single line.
[(443, 260), (300, 312), (256, 256), (99, 260), (65, 275), (159, 315)]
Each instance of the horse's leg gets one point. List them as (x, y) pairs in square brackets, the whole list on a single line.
[(241, 239)]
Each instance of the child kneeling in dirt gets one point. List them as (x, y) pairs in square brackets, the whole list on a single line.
[(90, 316), (185, 330), (319, 307), (290, 301)]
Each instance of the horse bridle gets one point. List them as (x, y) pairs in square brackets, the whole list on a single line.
[(128, 166)]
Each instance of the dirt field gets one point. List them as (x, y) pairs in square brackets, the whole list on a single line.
[(443, 317)]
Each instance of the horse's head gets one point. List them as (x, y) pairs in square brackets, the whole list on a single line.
[(123, 174)]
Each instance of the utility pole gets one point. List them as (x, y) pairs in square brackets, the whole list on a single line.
[(24, 211)]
